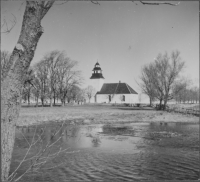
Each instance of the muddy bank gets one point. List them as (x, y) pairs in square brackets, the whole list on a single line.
[(98, 114)]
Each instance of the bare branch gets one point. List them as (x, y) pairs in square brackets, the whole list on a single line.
[(95, 2), (135, 2), (61, 163), (158, 3), (39, 160), (24, 155), (61, 3), (7, 28), (46, 5), (20, 6), (25, 138), (4, 21)]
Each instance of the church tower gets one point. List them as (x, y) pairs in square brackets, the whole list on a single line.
[(97, 77)]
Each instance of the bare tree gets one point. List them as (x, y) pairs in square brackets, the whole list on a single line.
[(41, 73), (90, 92), (50, 61), (191, 95), (13, 80), (160, 76), (26, 93), (28, 85), (74, 94), (81, 96), (67, 76), (146, 83), (165, 74), (36, 89), (56, 73), (180, 88), (196, 94)]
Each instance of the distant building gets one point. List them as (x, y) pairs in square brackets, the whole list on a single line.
[(111, 92)]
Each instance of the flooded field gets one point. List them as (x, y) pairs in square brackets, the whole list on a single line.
[(117, 152)]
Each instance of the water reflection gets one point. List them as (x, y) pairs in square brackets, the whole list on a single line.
[(120, 152), (96, 141), (118, 130)]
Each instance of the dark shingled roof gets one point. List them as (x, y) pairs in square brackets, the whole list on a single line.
[(96, 76), (116, 88), (96, 68)]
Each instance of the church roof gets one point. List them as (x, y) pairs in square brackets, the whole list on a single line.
[(96, 76), (96, 68), (97, 72), (116, 88)]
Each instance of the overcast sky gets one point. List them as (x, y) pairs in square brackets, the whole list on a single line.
[(122, 36)]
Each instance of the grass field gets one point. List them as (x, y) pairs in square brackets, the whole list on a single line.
[(96, 114)]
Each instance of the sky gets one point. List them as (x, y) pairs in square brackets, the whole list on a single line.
[(122, 36)]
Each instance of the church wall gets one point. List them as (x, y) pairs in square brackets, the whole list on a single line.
[(117, 98), (102, 98)]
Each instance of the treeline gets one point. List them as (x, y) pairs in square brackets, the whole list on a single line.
[(161, 80), (53, 79), (188, 94)]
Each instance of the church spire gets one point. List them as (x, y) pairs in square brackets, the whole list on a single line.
[(97, 72)]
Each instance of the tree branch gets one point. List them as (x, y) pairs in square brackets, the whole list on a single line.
[(158, 3), (45, 7), (8, 29), (95, 2), (61, 3)]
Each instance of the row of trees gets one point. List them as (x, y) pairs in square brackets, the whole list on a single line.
[(54, 78), (161, 80), (188, 94)]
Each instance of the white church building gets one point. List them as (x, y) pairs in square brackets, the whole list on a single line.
[(111, 92)]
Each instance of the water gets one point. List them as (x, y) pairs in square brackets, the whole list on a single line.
[(123, 152)]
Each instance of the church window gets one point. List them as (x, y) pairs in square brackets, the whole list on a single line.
[(123, 98), (109, 98)]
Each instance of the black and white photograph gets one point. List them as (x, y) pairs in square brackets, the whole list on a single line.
[(99, 91)]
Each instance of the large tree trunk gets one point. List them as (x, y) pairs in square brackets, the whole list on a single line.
[(42, 101), (10, 105), (150, 101), (62, 101), (51, 103), (12, 82), (160, 104), (28, 99), (165, 104), (54, 98), (36, 102)]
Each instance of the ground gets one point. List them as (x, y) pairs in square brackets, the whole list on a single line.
[(97, 114)]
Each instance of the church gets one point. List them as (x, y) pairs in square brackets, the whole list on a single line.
[(111, 92)]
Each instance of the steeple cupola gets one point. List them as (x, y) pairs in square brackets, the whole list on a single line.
[(97, 72)]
